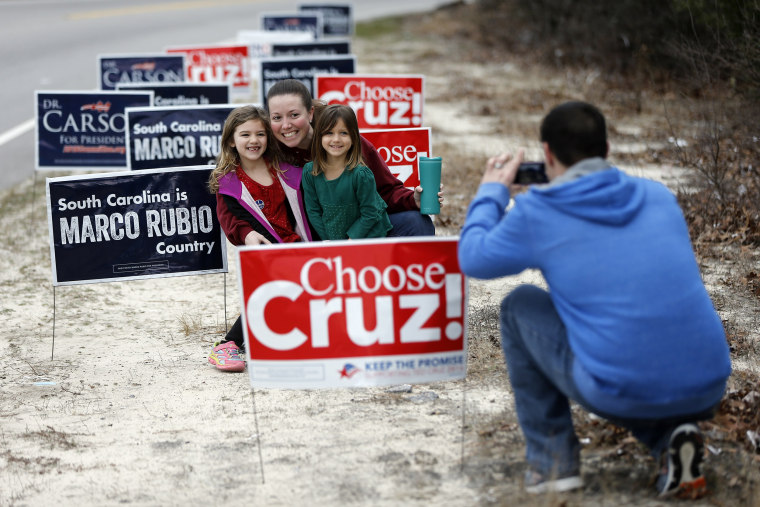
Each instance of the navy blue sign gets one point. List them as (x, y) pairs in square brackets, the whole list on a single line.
[(130, 225), (196, 94), (295, 22), (336, 18), (335, 47), (174, 136), (83, 130), (303, 69), (121, 69)]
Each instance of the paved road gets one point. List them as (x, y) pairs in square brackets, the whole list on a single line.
[(53, 45)]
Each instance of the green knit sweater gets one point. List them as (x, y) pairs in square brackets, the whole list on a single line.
[(346, 207)]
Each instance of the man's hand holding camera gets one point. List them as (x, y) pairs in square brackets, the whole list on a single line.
[(503, 169)]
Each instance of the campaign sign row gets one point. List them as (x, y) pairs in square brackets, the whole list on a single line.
[(282, 34), (124, 129)]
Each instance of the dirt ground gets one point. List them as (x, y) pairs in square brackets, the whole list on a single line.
[(127, 411)]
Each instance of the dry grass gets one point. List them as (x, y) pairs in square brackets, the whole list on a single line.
[(190, 324), (52, 438)]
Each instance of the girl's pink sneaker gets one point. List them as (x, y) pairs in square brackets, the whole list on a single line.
[(226, 356)]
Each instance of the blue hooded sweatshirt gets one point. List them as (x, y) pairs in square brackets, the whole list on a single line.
[(616, 255)]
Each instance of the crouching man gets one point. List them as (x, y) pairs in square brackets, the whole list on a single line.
[(626, 329)]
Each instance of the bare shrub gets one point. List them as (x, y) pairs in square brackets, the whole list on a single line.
[(704, 54)]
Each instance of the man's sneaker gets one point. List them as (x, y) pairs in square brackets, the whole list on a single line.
[(681, 473), (536, 483), (226, 356)]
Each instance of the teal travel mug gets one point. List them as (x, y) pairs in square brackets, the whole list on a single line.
[(430, 181)]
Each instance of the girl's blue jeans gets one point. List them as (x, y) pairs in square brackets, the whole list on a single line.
[(540, 365)]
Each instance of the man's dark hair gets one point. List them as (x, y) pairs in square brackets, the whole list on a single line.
[(575, 131)]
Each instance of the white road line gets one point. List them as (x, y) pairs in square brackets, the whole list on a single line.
[(16, 131)]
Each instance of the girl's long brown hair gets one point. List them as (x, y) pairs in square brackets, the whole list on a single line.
[(229, 159), (327, 119)]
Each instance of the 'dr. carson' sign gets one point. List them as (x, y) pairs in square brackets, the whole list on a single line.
[(354, 313)]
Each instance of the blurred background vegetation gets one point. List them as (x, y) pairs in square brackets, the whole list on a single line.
[(705, 52), (698, 41)]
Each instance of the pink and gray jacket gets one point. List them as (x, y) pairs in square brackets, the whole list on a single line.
[(240, 216)]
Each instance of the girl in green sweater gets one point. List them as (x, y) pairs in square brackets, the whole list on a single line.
[(339, 191)]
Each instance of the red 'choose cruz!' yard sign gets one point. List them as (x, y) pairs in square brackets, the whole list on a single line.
[(354, 313)]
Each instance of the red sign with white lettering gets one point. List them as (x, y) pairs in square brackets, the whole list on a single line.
[(218, 64), (354, 313), (380, 102), (401, 149)]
